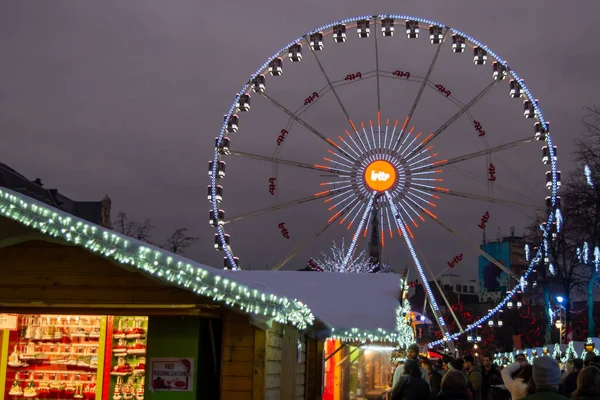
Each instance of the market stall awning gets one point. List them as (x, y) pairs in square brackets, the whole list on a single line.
[(177, 271)]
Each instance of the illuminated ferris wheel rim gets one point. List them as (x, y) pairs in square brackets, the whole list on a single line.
[(552, 176)]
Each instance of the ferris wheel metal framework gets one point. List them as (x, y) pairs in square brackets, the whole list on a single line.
[(368, 169)]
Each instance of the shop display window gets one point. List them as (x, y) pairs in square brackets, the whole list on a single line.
[(55, 357), (128, 357)]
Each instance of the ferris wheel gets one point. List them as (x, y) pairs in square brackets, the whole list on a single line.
[(413, 141)]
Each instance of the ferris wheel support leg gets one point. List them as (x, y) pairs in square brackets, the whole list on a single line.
[(433, 303), (420, 253)]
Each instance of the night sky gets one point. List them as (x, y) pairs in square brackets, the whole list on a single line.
[(125, 99)]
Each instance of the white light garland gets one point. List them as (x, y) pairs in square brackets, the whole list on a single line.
[(360, 263), (168, 267)]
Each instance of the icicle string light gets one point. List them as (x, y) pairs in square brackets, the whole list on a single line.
[(166, 266)]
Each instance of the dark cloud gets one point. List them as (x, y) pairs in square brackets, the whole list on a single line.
[(125, 98)]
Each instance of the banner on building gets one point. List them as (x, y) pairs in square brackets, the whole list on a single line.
[(493, 282)]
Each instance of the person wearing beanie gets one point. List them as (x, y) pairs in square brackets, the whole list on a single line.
[(546, 377), (411, 385), (412, 353)]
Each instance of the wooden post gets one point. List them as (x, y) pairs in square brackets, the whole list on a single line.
[(258, 373)]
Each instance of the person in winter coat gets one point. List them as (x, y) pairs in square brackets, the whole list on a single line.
[(546, 377), (490, 376), (411, 354), (569, 384), (474, 377), (454, 386), (411, 386), (588, 384), (517, 386), (435, 378)]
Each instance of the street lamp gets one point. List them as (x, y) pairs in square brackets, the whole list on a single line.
[(560, 299), (559, 325)]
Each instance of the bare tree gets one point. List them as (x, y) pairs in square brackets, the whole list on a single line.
[(123, 225), (143, 231), (179, 241)]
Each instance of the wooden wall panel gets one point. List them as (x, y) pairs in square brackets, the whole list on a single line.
[(289, 362), (274, 355), (314, 369), (238, 350), (301, 375), (38, 271)]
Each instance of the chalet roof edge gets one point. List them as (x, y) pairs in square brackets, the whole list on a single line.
[(170, 268)]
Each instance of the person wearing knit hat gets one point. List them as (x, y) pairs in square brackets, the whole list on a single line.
[(412, 353), (546, 377)]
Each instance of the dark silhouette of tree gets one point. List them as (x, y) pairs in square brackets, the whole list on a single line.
[(175, 243), (179, 241)]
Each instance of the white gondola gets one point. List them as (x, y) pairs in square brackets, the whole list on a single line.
[(363, 28), (227, 263), (458, 43), (549, 179), (541, 131), (232, 123), (516, 90), (546, 154), (339, 33), (219, 193), (243, 102), (479, 55), (223, 146), (500, 72), (218, 245), (435, 34), (295, 52), (529, 109), (412, 29), (387, 27), (316, 41), (276, 67), (220, 169), (258, 84), (219, 220)]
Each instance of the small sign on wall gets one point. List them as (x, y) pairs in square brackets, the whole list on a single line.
[(8, 322), (171, 374)]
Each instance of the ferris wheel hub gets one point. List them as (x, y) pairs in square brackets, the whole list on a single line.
[(380, 175)]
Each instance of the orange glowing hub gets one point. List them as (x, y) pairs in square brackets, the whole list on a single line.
[(380, 175)]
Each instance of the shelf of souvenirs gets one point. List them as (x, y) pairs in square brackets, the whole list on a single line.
[(124, 368), (125, 330), (70, 384), (83, 355)]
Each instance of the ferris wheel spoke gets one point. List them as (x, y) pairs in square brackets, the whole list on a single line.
[(476, 248), (377, 73), (456, 116), (303, 244), (315, 167), (318, 196), (359, 228), (465, 157), (485, 199), (425, 80), (335, 93), (402, 226), (307, 125)]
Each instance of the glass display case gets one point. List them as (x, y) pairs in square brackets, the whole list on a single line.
[(128, 357), (55, 356)]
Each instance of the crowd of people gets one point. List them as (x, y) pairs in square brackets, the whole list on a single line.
[(418, 378)]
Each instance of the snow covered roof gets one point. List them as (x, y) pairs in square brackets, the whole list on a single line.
[(170, 268), (342, 301)]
